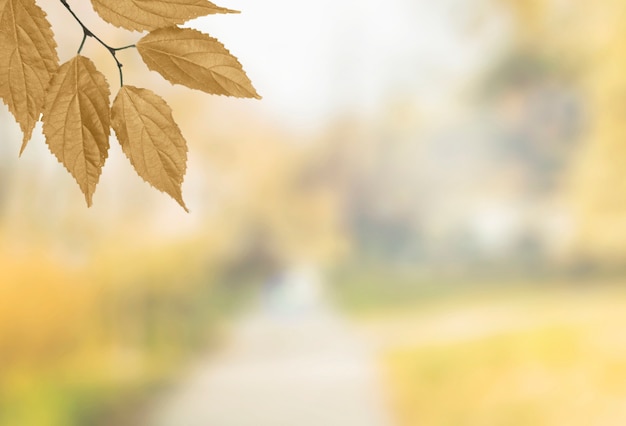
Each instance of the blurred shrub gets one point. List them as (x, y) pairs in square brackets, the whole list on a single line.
[(80, 345)]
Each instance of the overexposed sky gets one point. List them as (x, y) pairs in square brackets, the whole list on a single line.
[(311, 60)]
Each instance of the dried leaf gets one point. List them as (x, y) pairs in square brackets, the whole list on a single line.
[(28, 60), (142, 15), (76, 121), (196, 60), (151, 139)]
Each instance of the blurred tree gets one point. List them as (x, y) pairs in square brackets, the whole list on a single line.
[(590, 38)]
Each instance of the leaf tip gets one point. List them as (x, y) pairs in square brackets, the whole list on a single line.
[(28, 133), (23, 147), (179, 200), (178, 196)]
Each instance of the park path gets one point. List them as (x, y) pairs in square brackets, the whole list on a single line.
[(294, 363)]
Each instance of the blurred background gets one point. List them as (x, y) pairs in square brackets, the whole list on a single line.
[(423, 222)]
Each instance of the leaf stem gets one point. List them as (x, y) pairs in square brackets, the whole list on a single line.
[(87, 33)]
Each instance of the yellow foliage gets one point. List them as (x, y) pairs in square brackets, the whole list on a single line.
[(151, 139), (77, 121), (74, 98), (44, 310), (591, 36), (141, 15), (29, 59), (497, 366), (196, 60)]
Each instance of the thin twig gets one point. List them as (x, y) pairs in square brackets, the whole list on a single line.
[(87, 33)]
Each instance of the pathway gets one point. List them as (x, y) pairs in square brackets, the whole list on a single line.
[(298, 365)]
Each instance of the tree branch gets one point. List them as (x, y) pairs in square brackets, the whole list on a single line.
[(87, 33)]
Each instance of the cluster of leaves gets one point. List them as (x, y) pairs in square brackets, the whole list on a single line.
[(73, 99)]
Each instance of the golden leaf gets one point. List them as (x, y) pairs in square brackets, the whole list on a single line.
[(28, 60), (150, 139), (76, 121), (196, 60), (142, 15)]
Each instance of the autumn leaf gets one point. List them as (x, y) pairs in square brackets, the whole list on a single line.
[(150, 139), (74, 97), (142, 15), (28, 60), (76, 121), (196, 60)]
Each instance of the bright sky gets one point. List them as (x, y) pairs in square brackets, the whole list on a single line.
[(311, 60)]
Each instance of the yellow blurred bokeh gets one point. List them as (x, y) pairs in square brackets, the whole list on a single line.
[(423, 222)]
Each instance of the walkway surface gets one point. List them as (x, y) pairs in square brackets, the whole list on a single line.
[(302, 366)]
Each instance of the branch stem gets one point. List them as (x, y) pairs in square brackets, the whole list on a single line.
[(87, 33)]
